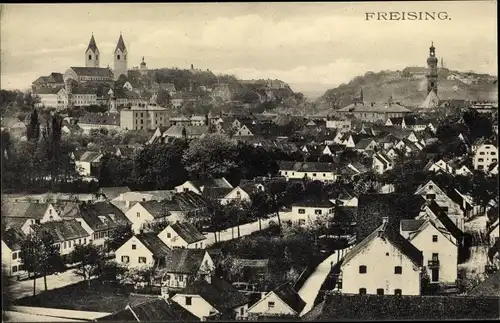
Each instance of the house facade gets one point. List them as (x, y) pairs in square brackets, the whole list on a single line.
[(306, 212), (485, 155), (182, 235)]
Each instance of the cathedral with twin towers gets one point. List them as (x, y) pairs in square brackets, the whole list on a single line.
[(92, 72)]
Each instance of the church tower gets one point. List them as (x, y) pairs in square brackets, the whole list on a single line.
[(92, 54), (143, 66), (120, 58), (432, 70)]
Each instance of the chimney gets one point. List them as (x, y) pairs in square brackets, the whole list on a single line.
[(385, 220)]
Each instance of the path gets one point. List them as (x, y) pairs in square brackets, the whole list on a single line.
[(245, 229), (477, 261), (309, 291), (25, 288)]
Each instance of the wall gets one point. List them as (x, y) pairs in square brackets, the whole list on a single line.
[(262, 307), (83, 168), (199, 307), (138, 221), (380, 257), (446, 249), (233, 196), (309, 214), (140, 251), (126, 119), (320, 176), (8, 262), (484, 156)]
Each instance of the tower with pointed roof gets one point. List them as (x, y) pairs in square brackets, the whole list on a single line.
[(120, 59), (432, 70), (92, 54)]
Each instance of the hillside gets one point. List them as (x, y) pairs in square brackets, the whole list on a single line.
[(409, 90)]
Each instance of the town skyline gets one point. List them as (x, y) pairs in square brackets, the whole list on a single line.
[(210, 37)]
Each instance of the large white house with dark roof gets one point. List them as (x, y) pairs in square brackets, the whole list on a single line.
[(182, 235)]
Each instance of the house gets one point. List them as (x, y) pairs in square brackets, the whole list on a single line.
[(212, 298), (241, 193), (252, 270), (438, 214), (143, 213), (341, 124), (48, 97), (282, 301), (144, 249), (307, 211), (439, 248), (88, 162), (99, 219), (88, 74), (366, 144), (36, 212), (324, 172), (381, 163), (143, 196), (457, 206), (182, 235), (111, 193), (382, 263), (184, 266), (11, 252), (109, 121), (197, 186), (151, 310), (439, 166), (71, 129), (485, 155), (374, 111), (186, 131), (66, 233)]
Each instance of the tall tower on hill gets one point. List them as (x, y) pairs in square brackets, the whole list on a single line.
[(120, 58), (432, 70), (92, 54)]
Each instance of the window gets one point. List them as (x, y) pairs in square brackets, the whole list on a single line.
[(380, 291), (398, 270), (362, 269), (14, 269), (493, 153), (362, 291), (180, 278), (302, 211), (302, 222), (314, 174), (318, 212), (188, 300), (64, 245), (480, 160), (430, 196), (434, 238), (84, 240), (21, 267), (242, 311), (14, 255), (90, 56), (167, 277), (79, 241), (270, 304), (481, 153), (201, 245), (96, 57), (494, 160), (398, 292), (117, 56), (435, 256), (125, 259), (138, 214), (169, 235), (142, 260), (134, 246), (324, 175)]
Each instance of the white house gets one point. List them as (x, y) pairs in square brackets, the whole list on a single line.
[(485, 155), (306, 212), (324, 172), (381, 163), (182, 235), (11, 252), (439, 248), (197, 186), (240, 193), (87, 161), (383, 263), (142, 213), (283, 300), (144, 249), (212, 297)]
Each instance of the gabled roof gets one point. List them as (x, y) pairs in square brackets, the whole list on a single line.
[(288, 295), (100, 119), (24, 209), (411, 225), (89, 156), (63, 230), (373, 207), (363, 143), (188, 232), (112, 192), (183, 261), (218, 293), (445, 220), (211, 182), (252, 263), (386, 231), (155, 208), (93, 71), (154, 310), (154, 244), (98, 216), (13, 238), (314, 203)]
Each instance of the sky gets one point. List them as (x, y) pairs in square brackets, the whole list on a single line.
[(311, 46)]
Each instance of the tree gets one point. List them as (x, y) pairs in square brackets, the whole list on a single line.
[(89, 260), (259, 206), (40, 255), (146, 274), (119, 236), (211, 156), (33, 129), (109, 271)]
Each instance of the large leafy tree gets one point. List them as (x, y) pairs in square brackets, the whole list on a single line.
[(211, 156), (88, 259)]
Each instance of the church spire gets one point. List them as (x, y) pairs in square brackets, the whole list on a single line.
[(92, 44), (121, 44)]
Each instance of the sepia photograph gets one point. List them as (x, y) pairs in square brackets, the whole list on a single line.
[(267, 161)]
